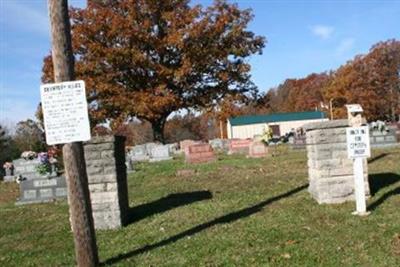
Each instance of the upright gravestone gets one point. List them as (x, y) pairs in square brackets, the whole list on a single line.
[(330, 171), (106, 170), (257, 149), (199, 153), (219, 144), (159, 153), (173, 148), (138, 153), (239, 146), (299, 142), (186, 143), (386, 138), (129, 164), (26, 168), (42, 190)]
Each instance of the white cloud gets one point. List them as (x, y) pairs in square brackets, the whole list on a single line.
[(344, 46), (322, 31)]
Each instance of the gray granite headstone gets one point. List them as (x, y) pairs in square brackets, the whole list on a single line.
[(159, 153), (383, 139), (219, 144), (138, 153), (129, 165), (26, 169), (173, 148), (42, 190)]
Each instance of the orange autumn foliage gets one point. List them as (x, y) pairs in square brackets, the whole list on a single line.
[(147, 59)]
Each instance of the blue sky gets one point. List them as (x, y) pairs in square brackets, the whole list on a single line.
[(303, 37)]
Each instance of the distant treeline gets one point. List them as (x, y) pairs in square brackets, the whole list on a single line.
[(371, 80)]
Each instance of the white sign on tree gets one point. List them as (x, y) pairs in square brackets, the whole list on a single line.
[(65, 112)]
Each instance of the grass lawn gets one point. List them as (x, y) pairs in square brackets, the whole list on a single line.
[(233, 212)]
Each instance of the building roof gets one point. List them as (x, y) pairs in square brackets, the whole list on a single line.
[(277, 117)]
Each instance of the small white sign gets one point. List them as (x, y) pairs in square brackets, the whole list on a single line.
[(65, 112), (358, 142)]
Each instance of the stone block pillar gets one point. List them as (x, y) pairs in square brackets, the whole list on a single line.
[(106, 170), (330, 172)]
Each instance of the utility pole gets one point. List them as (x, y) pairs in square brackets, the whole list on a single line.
[(74, 162)]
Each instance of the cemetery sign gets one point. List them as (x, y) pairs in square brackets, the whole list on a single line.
[(358, 142), (358, 149), (65, 112)]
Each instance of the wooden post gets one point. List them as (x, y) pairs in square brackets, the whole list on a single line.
[(74, 162)]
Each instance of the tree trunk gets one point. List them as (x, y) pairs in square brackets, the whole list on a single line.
[(158, 130)]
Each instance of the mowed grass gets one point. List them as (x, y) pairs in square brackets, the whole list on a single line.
[(233, 212)]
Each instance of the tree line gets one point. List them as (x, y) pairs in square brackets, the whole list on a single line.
[(372, 80)]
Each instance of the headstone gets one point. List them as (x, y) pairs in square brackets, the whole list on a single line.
[(257, 149), (186, 143), (26, 169), (8, 175), (9, 178), (138, 153), (199, 153), (106, 170), (239, 146), (129, 165), (42, 190), (219, 144), (299, 142), (149, 147), (330, 172), (173, 148), (159, 153), (384, 138)]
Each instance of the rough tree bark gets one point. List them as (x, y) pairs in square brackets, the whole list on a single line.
[(74, 162), (158, 130)]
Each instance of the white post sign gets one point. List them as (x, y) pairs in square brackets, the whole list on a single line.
[(358, 148), (65, 112)]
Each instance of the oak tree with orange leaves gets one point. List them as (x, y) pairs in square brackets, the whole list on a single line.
[(148, 58)]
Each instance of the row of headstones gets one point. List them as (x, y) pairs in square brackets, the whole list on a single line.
[(385, 138), (36, 188), (150, 152), (153, 152), (377, 138), (196, 152)]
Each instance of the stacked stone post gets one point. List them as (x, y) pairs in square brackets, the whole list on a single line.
[(106, 170), (330, 172)]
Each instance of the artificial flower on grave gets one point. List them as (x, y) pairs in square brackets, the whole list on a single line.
[(8, 165), (44, 166), (28, 155)]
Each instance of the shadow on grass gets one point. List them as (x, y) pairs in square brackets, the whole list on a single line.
[(379, 181), (169, 202), (382, 180), (377, 157), (228, 218)]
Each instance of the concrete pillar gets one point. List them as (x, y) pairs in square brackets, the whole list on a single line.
[(106, 170)]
